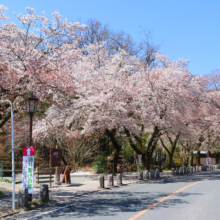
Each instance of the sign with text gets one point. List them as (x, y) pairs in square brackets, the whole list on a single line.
[(28, 169), (55, 157), (208, 161)]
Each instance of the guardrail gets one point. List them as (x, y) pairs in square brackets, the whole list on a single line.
[(43, 174)]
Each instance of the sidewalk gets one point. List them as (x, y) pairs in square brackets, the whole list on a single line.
[(59, 192)]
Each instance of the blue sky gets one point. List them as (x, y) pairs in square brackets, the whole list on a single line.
[(183, 28)]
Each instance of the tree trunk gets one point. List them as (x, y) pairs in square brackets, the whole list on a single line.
[(198, 158), (170, 159), (117, 147), (148, 159), (115, 162)]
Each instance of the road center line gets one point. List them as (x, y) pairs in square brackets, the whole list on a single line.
[(156, 203)]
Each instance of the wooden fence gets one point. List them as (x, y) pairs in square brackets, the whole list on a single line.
[(44, 175)]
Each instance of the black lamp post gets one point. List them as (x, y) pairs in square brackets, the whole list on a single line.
[(31, 108)]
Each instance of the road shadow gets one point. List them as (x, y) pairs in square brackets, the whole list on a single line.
[(109, 203)]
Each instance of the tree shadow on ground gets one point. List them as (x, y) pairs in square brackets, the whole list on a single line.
[(109, 203)]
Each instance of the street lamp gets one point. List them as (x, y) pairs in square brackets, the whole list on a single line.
[(31, 108)]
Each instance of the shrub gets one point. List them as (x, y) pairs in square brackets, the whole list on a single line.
[(100, 163)]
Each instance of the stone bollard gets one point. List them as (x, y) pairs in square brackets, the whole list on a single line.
[(157, 174), (23, 198), (216, 167), (173, 171), (101, 181), (110, 180), (191, 169), (200, 168), (44, 193), (119, 179), (140, 175), (188, 169), (181, 171), (177, 171), (194, 169), (146, 174), (152, 175)]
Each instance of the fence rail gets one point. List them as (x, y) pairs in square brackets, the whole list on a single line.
[(44, 173)]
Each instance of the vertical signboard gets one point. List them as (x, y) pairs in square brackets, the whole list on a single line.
[(208, 161), (28, 169), (55, 157)]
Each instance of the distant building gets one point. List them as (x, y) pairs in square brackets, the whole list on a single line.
[(203, 155)]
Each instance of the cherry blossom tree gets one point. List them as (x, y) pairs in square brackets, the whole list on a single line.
[(37, 59)]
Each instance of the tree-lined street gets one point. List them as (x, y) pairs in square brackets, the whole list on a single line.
[(198, 201), (79, 96)]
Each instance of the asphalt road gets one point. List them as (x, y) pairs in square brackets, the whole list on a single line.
[(183, 198)]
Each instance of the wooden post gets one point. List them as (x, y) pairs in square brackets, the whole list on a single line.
[(37, 175), (57, 173), (50, 176)]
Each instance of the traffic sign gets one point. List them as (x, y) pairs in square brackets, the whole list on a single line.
[(28, 151)]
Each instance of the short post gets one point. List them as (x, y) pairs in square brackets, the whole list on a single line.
[(44, 193), (157, 174), (177, 171), (188, 169), (191, 169), (152, 174), (57, 173), (23, 198), (119, 179), (101, 181), (146, 174), (140, 175), (173, 171), (194, 169), (110, 180), (181, 171)]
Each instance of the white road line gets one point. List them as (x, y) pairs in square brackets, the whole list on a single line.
[(44, 213)]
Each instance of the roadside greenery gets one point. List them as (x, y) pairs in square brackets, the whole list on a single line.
[(100, 163), (2, 193), (5, 181)]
